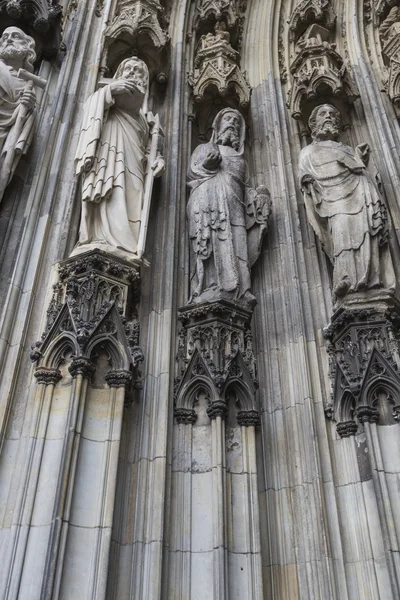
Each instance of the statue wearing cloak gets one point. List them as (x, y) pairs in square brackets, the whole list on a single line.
[(17, 101), (111, 160), (219, 215), (345, 208)]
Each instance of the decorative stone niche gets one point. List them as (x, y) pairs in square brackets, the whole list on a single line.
[(216, 65)]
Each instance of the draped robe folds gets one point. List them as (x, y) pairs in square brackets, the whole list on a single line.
[(216, 216), (111, 161), (348, 214), (11, 88)]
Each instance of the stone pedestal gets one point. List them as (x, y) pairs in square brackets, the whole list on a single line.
[(215, 346), (364, 362)]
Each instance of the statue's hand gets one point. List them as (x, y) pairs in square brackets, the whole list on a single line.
[(307, 182), (364, 151), (28, 98), (122, 86), (213, 158), (158, 166)]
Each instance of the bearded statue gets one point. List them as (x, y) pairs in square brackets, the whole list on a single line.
[(117, 159), (17, 101), (345, 208), (227, 219)]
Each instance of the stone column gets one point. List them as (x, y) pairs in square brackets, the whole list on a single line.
[(217, 413), (46, 378)]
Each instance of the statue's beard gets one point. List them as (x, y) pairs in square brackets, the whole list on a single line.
[(9, 51), (140, 84), (229, 137), (326, 131)]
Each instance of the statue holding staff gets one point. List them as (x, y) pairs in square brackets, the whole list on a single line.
[(117, 159)]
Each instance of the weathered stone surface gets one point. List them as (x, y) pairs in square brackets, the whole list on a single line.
[(117, 159)]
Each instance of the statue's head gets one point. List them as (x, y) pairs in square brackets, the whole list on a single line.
[(17, 49), (229, 129), (325, 122), (134, 70)]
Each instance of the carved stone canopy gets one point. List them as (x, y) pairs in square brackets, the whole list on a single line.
[(206, 9), (311, 11), (136, 20), (216, 65), (318, 70), (391, 55)]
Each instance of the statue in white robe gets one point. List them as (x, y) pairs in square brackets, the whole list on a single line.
[(345, 207), (17, 101), (114, 149)]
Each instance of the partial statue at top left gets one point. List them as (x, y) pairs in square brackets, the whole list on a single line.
[(17, 100)]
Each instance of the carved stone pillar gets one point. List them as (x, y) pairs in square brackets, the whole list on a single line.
[(216, 415), (86, 363)]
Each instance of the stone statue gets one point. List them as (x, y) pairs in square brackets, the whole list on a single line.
[(345, 208), (226, 221), (17, 101), (387, 25), (117, 159)]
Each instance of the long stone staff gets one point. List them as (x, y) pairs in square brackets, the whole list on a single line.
[(156, 132), (12, 139)]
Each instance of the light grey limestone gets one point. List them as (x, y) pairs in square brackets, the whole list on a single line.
[(117, 159)]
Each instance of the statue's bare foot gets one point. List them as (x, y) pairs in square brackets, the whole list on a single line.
[(342, 287)]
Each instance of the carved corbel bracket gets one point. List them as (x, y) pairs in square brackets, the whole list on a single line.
[(215, 355), (363, 348), (93, 305)]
